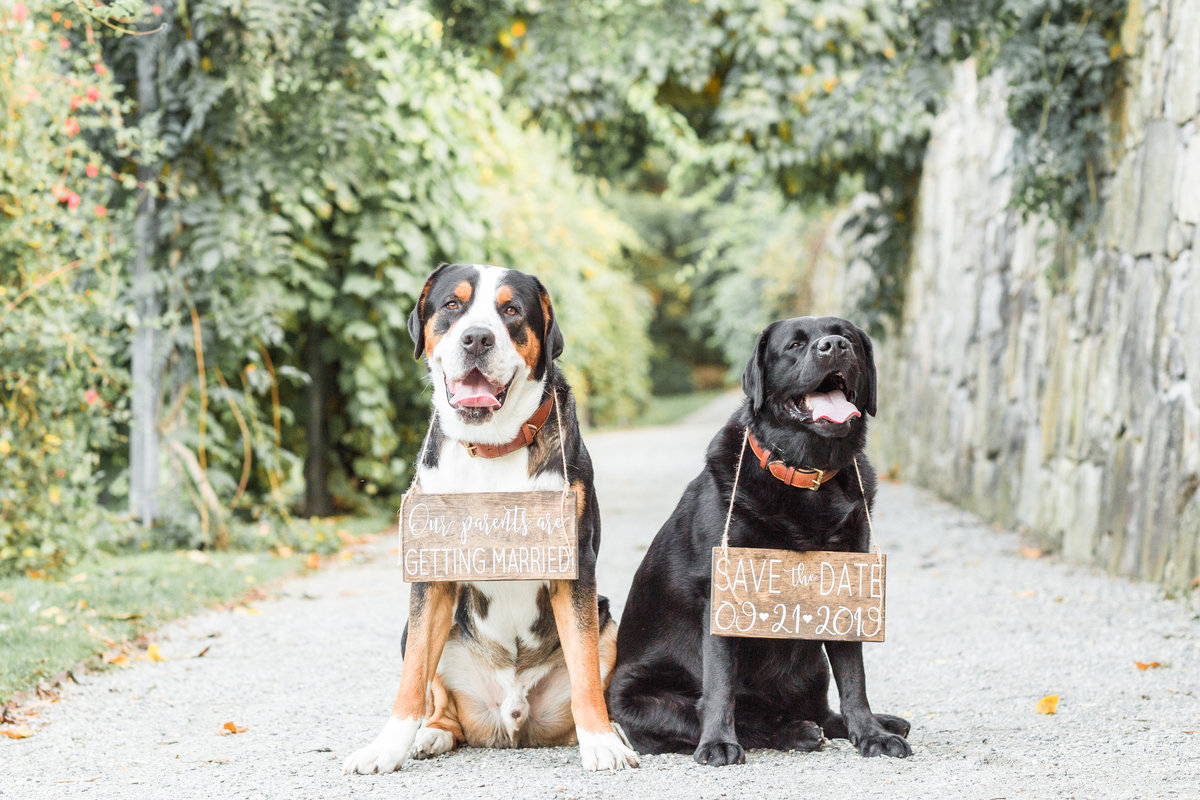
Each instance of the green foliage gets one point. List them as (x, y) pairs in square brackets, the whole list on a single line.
[(549, 221), (1063, 64), (62, 382), (819, 98)]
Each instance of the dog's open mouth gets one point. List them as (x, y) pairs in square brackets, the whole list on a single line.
[(476, 390), (832, 401)]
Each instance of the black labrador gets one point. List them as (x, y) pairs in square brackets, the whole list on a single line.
[(677, 689)]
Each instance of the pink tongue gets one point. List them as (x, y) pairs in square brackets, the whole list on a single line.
[(475, 391), (832, 406)]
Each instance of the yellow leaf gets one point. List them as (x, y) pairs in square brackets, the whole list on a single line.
[(1048, 704), (153, 655), (17, 732), (518, 29), (229, 728), (313, 561), (1150, 665)]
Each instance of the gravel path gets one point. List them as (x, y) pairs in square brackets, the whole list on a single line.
[(976, 635)]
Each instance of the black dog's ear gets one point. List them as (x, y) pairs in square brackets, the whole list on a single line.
[(869, 374), (416, 320), (753, 379), (552, 338)]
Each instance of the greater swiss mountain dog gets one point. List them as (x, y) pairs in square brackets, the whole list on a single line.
[(676, 688), (501, 663)]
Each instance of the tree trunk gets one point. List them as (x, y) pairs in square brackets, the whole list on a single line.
[(317, 500), (145, 377)]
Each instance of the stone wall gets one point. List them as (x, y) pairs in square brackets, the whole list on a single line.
[(1047, 385)]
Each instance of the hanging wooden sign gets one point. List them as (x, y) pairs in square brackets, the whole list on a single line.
[(784, 594), (488, 536)]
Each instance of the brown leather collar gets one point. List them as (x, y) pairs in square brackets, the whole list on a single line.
[(801, 478), (524, 436)]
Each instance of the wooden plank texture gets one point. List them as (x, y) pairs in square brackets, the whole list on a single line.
[(488, 536), (784, 594)]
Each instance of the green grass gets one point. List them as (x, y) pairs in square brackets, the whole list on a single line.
[(44, 624), (666, 409)]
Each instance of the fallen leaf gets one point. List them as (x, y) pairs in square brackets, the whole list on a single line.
[(1048, 704), (202, 652), (1030, 552), (152, 653), (17, 732), (229, 728), (313, 561), (115, 657), (1147, 665)]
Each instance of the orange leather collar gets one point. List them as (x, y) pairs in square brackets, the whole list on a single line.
[(801, 478), (524, 436)]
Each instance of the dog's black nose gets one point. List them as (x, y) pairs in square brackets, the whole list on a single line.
[(477, 341), (832, 344)]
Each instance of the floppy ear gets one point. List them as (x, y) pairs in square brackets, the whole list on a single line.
[(416, 320), (753, 376), (552, 338), (869, 373)]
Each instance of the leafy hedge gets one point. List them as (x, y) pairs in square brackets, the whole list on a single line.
[(312, 162), (62, 379)]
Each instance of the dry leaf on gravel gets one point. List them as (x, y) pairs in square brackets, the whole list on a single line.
[(115, 657), (17, 732), (1030, 552), (1147, 665), (313, 561), (230, 727), (1048, 704)]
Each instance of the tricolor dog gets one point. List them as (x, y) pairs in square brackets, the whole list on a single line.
[(809, 385), (501, 663)]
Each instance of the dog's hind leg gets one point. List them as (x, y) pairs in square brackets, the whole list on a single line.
[(656, 717), (442, 731)]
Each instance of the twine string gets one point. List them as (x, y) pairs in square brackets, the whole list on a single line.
[(412, 485), (737, 473), (867, 507), (562, 449)]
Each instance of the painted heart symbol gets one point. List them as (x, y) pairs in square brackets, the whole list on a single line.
[(807, 617), (763, 616)]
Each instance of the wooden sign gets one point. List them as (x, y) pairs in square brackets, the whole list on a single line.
[(488, 536), (784, 594)]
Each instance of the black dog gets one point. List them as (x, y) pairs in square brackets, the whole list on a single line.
[(676, 688)]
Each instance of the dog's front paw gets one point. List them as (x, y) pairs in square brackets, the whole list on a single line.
[(719, 754), (432, 742), (388, 752), (882, 743), (605, 751)]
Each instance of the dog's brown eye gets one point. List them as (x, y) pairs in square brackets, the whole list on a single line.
[(510, 311), (794, 345), (451, 304)]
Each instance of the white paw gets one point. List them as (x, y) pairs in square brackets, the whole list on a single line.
[(604, 751), (388, 752), (432, 742)]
